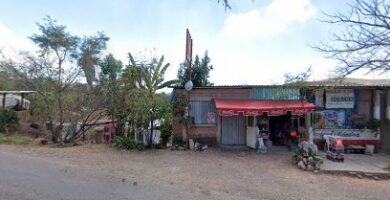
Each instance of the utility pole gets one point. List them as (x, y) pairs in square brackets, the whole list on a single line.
[(188, 86)]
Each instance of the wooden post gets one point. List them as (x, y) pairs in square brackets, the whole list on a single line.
[(189, 119)]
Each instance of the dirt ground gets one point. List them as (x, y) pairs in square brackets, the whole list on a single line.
[(214, 172)]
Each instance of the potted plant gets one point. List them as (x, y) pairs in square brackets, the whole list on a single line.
[(374, 125)]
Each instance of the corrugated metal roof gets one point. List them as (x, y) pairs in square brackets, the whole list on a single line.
[(226, 86), (17, 92), (332, 82), (351, 82), (275, 93)]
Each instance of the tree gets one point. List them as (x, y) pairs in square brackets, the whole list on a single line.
[(90, 48), (165, 114), (225, 4), (114, 102), (6, 82), (154, 76), (137, 101), (84, 105), (49, 76), (298, 81), (200, 71), (152, 73), (364, 43), (52, 72), (111, 69), (137, 110)]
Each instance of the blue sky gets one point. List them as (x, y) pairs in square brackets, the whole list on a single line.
[(254, 43)]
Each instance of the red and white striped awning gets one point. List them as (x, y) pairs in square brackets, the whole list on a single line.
[(258, 107)]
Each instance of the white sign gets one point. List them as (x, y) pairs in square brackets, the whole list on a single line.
[(211, 118), (342, 98)]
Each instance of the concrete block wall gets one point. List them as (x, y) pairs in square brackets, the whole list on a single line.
[(204, 134)]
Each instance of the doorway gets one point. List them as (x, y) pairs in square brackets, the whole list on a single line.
[(280, 128), (234, 130)]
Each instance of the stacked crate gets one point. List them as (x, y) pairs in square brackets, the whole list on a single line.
[(336, 150)]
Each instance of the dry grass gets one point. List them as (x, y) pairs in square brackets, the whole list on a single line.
[(16, 139)]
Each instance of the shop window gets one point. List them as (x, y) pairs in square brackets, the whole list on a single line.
[(203, 113)]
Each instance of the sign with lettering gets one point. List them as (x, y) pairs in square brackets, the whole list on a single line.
[(341, 98), (359, 133)]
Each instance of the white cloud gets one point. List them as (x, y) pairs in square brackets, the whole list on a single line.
[(231, 67), (291, 10), (4, 31), (11, 43), (270, 20)]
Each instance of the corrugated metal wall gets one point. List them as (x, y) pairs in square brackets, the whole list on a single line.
[(275, 93), (234, 130)]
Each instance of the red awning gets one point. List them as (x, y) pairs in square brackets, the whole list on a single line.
[(258, 107)]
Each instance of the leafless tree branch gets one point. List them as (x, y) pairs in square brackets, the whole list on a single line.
[(364, 43)]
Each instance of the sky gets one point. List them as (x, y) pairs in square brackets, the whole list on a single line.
[(256, 42)]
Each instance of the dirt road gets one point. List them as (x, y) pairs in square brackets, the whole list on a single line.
[(99, 172)]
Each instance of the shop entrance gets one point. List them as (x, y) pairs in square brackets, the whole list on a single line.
[(280, 128)]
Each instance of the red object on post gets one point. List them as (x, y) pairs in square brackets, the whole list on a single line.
[(188, 46), (189, 52)]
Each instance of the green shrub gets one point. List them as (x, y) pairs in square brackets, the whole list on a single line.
[(166, 132), (177, 142), (373, 124), (140, 146), (127, 143), (8, 118), (159, 146), (298, 155)]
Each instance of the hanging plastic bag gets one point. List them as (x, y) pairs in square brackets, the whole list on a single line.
[(262, 147)]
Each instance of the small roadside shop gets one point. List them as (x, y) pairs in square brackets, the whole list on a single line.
[(356, 109), (235, 115), (243, 121)]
